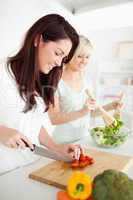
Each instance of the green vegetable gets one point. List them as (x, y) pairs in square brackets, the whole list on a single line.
[(109, 135), (112, 185)]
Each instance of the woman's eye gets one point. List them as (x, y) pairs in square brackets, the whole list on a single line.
[(58, 54), (83, 57), (88, 56)]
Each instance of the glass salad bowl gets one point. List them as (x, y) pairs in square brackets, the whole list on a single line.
[(105, 137)]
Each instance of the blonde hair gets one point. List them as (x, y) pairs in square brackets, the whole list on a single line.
[(84, 47)]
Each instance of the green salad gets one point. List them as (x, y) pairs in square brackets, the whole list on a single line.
[(110, 136)]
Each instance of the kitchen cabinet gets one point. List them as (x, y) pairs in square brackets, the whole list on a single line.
[(111, 83), (117, 75)]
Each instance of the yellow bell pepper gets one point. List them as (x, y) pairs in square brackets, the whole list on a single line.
[(79, 185)]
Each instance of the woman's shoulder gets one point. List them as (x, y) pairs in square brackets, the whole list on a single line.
[(61, 85)]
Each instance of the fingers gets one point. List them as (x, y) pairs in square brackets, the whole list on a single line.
[(89, 94), (75, 151), (19, 141), (74, 155), (90, 104), (71, 156), (20, 144), (71, 151), (81, 149), (27, 142), (120, 104)]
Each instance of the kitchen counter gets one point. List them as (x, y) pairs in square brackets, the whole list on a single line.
[(16, 185)]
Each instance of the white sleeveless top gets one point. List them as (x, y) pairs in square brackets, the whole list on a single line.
[(12, 116), (69, 101)]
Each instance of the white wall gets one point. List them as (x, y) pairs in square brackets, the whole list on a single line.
[(105, 41), (106, 27), (17, 16)]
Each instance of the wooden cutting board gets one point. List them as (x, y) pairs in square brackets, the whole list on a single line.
[(57, 173)]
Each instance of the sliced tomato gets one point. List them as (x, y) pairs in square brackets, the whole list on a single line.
[(87, 157), (90, 159), (75, 164), (83, 163), (82, 157)]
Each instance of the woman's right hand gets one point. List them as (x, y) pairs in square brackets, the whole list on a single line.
[(13, 139)]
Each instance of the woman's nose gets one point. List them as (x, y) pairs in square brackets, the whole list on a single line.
[(84, 60)]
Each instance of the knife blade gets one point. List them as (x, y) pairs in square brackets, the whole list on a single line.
[(41, 151), (49, 154)]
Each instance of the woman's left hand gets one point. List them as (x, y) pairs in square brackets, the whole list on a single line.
[(90, 104), (70, 151)]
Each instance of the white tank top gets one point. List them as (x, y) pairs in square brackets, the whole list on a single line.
[(69, 101)]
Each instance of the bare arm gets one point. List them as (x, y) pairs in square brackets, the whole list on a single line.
[(107, 107), (46, 140), (68, 150), (5, 133), (57, 117), (12, 138), (108, 119), (114, 105)]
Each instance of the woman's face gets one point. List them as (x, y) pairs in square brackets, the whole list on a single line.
[(79, 62), (50, 54)]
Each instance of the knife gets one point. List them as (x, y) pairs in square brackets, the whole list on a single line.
[(41, 151), (49, 154)]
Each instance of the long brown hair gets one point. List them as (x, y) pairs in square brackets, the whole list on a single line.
[(51, 27)]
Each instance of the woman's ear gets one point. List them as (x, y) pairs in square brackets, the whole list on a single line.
[(37, 40)]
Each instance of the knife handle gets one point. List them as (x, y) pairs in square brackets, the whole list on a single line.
[(28, 145)]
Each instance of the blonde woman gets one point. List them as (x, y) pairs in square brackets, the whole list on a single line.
[(73, 102)]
